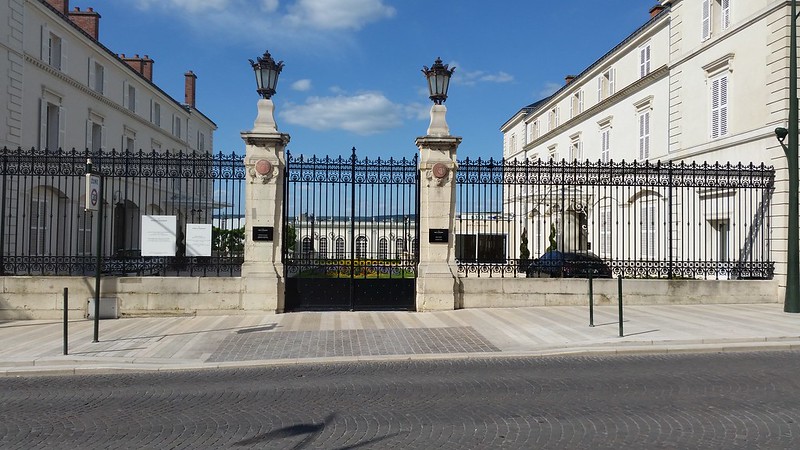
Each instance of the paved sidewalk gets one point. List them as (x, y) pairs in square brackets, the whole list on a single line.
[(175, 343)]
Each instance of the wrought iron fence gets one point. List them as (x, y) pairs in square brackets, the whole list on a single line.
[(45, 229), (643, 220)]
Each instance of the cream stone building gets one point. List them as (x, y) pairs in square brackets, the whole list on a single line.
[(65, 89), (701, 80)]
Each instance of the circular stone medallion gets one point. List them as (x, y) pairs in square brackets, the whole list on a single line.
[(440, 170), (263, 167)]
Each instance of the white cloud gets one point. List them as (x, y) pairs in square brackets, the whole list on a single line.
[(302, 85), (472, 77), (338, 14), (549, 89), (296, 19), (365, 113)]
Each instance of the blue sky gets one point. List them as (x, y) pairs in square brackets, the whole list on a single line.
[(352, 67)]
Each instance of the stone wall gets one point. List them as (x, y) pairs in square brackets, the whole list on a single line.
[(517, 292), (42, 297)]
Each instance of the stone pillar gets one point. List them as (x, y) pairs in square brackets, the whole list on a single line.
[(265, 164), (437, 282)]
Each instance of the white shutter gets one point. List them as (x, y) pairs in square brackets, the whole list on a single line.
[(723, 106), (555, 110), (88, 135), (580, 101), (571, 107), (725, 16), (706, 20), (92, 74), (124, 94), (63, 56), (611, 82), (62, 128), (45, 50), (102, 137), (151, 111), (600, 88), (42, 123)]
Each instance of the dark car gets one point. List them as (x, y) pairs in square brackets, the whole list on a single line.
[(568, 265)]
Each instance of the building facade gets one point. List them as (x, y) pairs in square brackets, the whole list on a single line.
[(700, 81)]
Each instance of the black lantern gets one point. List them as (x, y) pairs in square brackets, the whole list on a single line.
[(267, 71), (438, 80)]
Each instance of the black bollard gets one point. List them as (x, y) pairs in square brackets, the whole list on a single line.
[(621, 334)]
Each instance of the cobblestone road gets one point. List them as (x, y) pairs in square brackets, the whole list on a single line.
[(748, 400)]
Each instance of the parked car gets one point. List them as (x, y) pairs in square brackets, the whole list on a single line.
[(568, 265)]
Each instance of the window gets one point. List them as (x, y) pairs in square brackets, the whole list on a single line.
[(605, 145), (605, 85), (513, 146), (715, 17), (155, 113), (575, 148), (644, 135), (647, 221), (201, 141), (339, 248), (128, 96), (719, 106), (644, 60), (53, 50), (128, 139), (323, 248), (51, 122), (38, 226), (361, 247), (481, 247), (84, 232), (400, 247), (383, 249), (552, 118), (155, 145), (552, 152), (606, 227), (307, 249), (534, 129), (176, 127), (96, 76), (46, 205), (95, 133), (576, 105)]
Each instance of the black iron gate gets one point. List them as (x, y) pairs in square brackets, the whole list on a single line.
[(351, 228)]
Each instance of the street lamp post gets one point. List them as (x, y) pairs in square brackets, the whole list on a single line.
[(438, 76), (792, 297)]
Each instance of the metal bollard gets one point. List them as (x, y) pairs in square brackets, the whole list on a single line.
[(66, 320), (591, 301), (621, 333)]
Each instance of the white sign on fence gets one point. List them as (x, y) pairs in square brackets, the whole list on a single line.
[(198, 239), (159, 235), (92, 192)]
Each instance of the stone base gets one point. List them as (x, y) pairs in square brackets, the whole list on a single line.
[(437, 287)]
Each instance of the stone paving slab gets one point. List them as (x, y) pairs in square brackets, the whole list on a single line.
[(339, 343)]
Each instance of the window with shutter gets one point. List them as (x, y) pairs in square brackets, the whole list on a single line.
[(605, 145), (644, 135), (719, 106), (725, 14), (644, 60), (705, 27)]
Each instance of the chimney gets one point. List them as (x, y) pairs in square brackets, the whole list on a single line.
[(61, 5), (134, 62), (655, 10), (147, 68), (191, 83), (88, 21), (568, 79)]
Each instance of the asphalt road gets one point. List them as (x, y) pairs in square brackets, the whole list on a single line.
[(747, 400)]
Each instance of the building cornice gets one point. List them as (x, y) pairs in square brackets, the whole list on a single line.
[(100, 98), (639, 84)]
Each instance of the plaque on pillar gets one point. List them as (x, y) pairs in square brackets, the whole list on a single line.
[(438, 235), (263, 233)]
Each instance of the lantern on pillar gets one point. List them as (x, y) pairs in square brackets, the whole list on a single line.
[(438, 80), (267, 71)]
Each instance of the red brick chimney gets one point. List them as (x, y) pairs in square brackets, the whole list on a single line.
[(568, 79), (61, 5), (656, 9), (191, 84), (147, 68), (88, 21)]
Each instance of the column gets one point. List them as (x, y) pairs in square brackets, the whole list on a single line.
[(437, 282), (265, 164)]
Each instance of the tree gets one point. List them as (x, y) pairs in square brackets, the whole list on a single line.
[(553, 244), (524, 253)]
